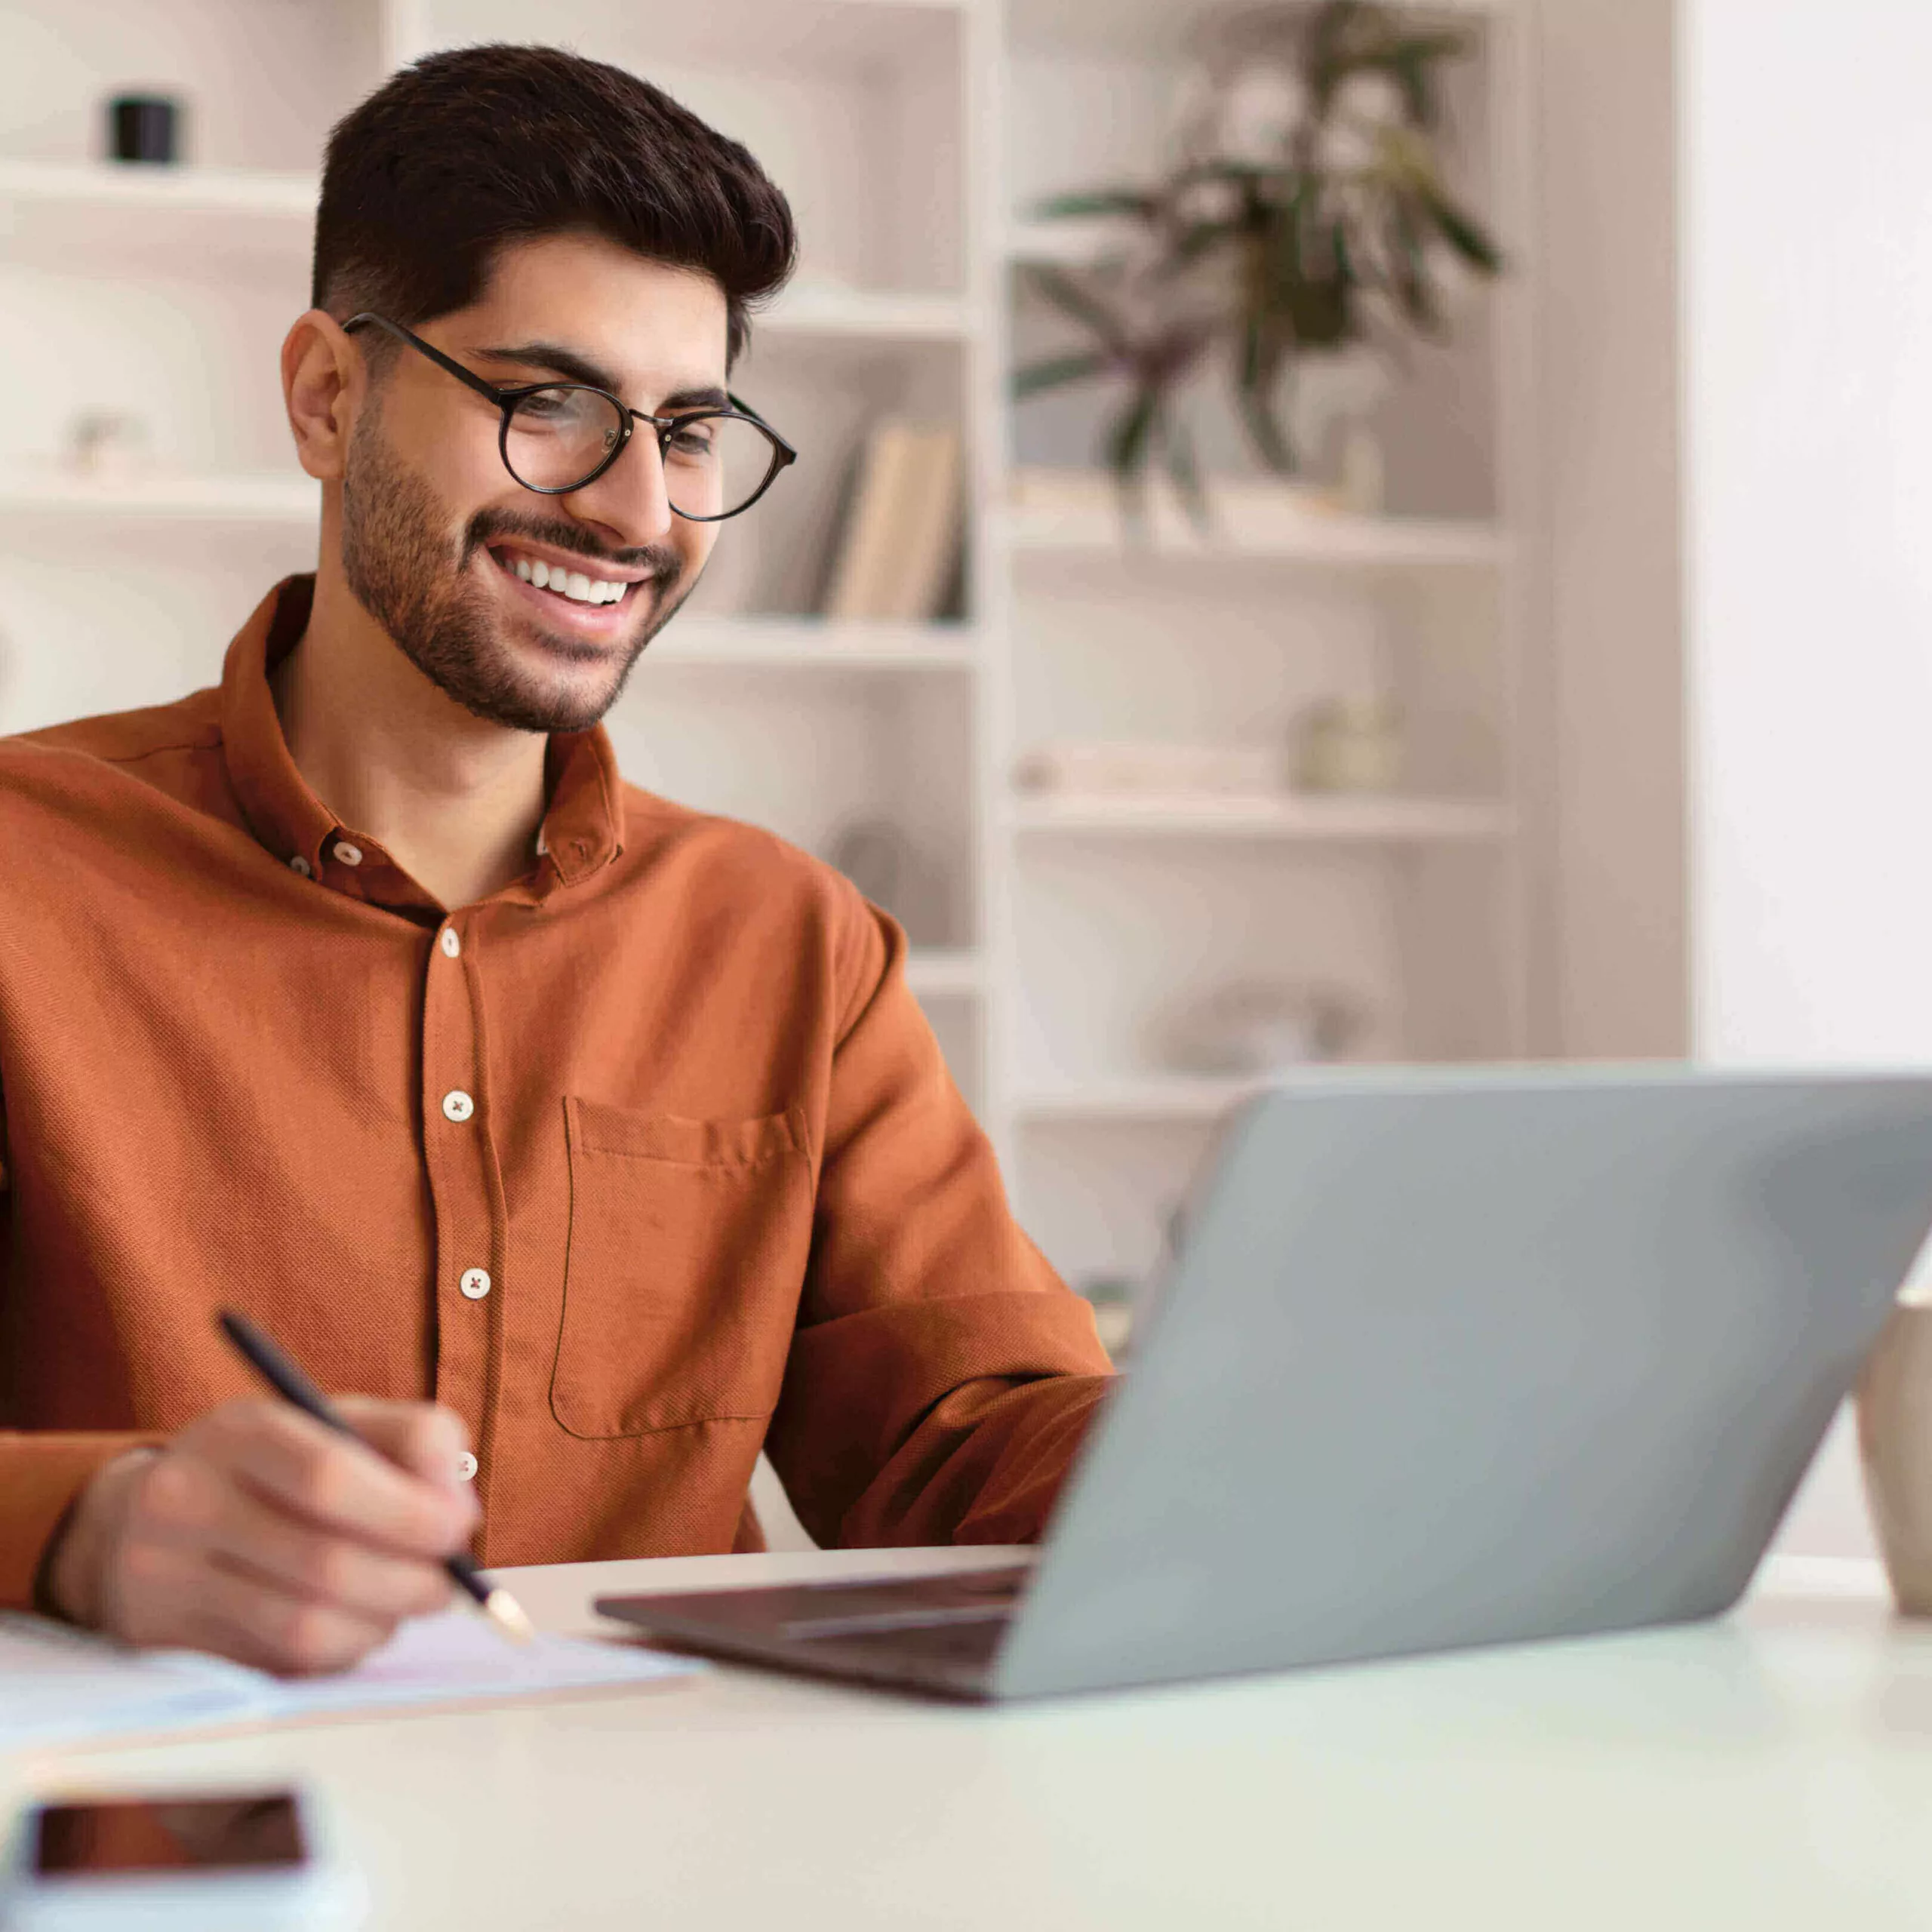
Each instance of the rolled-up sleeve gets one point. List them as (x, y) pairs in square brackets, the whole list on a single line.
[(943, 1377)]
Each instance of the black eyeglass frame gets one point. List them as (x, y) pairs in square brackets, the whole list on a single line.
[(506, 399)]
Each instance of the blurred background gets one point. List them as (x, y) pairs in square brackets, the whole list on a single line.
[(1322, 533)]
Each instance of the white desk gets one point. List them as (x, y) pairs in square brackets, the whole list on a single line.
[(1773, 1771)]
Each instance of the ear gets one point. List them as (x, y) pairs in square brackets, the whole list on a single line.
[(324, 380)]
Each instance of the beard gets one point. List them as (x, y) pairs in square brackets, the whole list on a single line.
[(402, 567)]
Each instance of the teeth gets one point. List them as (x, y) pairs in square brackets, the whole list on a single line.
[(575, 585)]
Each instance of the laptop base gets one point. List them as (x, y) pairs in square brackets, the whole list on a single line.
[(938, 1634)]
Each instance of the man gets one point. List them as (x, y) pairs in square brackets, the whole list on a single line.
[(596, 1141)]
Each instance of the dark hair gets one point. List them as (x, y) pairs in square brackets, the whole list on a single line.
[(466, 151)]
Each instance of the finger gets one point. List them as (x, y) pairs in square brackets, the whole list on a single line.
[(292, 1636), (179, 1598), (289, 1460), (249, 1535), (425, 1437)]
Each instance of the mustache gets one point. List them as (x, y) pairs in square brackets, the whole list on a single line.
[(663, 561)]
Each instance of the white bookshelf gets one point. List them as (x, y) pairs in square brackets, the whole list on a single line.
[(44, 494), (1337, 542), (1318, 821), (1051, 935), (811, 644)]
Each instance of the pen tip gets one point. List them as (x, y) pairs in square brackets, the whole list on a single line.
[(508, 1616)]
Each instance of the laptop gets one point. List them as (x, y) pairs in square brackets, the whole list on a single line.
[(1442, 1359)]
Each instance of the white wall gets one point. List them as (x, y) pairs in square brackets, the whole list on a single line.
[(1806, 159)]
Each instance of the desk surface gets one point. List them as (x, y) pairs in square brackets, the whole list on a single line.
[(1773, 1771)]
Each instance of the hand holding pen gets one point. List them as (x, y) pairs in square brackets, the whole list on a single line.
[(293, 1385), (256, 1532)]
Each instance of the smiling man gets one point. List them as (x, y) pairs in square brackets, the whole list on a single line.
[(593, 1142)]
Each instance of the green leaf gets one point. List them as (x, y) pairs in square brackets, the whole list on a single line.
[(1449, 44), (1056, 371), (1066, 294), (1127, 442), (1256, 375), (1268, 434), (1194, 241), (1462, 234), (1178, 447), (1413, 288), (1098, 202)]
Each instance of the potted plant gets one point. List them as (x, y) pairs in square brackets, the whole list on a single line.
[(1304, 215)]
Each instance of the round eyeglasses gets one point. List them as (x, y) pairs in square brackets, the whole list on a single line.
[(559, 437)]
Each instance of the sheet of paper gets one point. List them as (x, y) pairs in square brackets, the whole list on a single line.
[(459, 1655), (60, 1686)]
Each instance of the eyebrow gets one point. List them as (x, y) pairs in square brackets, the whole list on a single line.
[(566, 362)]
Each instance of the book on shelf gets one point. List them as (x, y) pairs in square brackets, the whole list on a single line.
[(895, 557)]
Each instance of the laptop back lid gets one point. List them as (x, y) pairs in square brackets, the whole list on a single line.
[(1465, 1357)]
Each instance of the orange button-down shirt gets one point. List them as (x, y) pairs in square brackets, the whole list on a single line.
[(645, 1162)]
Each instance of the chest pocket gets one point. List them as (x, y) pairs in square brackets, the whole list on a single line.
[(688, 1241)]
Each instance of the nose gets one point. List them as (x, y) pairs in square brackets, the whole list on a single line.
[(631, 500)]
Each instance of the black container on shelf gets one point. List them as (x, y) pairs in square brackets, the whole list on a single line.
[(144, 127)]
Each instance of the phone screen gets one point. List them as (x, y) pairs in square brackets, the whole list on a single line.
[(170, 1834)]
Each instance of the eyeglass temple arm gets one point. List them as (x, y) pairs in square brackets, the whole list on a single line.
[(744, 409), (469, 378)]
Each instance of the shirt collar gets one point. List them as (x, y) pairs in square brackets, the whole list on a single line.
[(584, 824)]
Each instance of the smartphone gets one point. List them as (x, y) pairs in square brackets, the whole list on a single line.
[(202, 1861)]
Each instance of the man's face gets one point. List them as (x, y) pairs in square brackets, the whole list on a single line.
[(434, 527)]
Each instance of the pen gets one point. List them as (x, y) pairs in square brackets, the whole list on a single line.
[(288, 1381)]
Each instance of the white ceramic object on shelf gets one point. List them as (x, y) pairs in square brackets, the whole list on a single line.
[(1895, 1445), (1350, 744)]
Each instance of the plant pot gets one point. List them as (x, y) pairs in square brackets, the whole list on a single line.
[(1895, 1445)]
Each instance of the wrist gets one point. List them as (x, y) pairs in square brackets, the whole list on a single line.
[(73, 1570)]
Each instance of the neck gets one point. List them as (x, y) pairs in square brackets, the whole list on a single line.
[(454, 800)]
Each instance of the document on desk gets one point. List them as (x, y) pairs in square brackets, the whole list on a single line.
[(60, 1686)]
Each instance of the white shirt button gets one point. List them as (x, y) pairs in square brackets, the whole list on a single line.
[(466, 1466), (450, 944), (349, 855), (457, 1106), (299, 864), (475, 1283)]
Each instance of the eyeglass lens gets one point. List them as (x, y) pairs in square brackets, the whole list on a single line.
[(713, 465)]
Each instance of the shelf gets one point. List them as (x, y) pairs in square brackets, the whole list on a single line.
[(794, 38), (941, 973), (176, 216), (272, 500), (1337, 541), (1152, 1099), (828, 312), (810, 644), (1156, 29), (1331, 821), (181, 217)]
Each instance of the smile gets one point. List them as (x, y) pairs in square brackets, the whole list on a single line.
[(560, 580)]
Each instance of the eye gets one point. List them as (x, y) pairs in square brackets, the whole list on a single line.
[(698, 440)]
